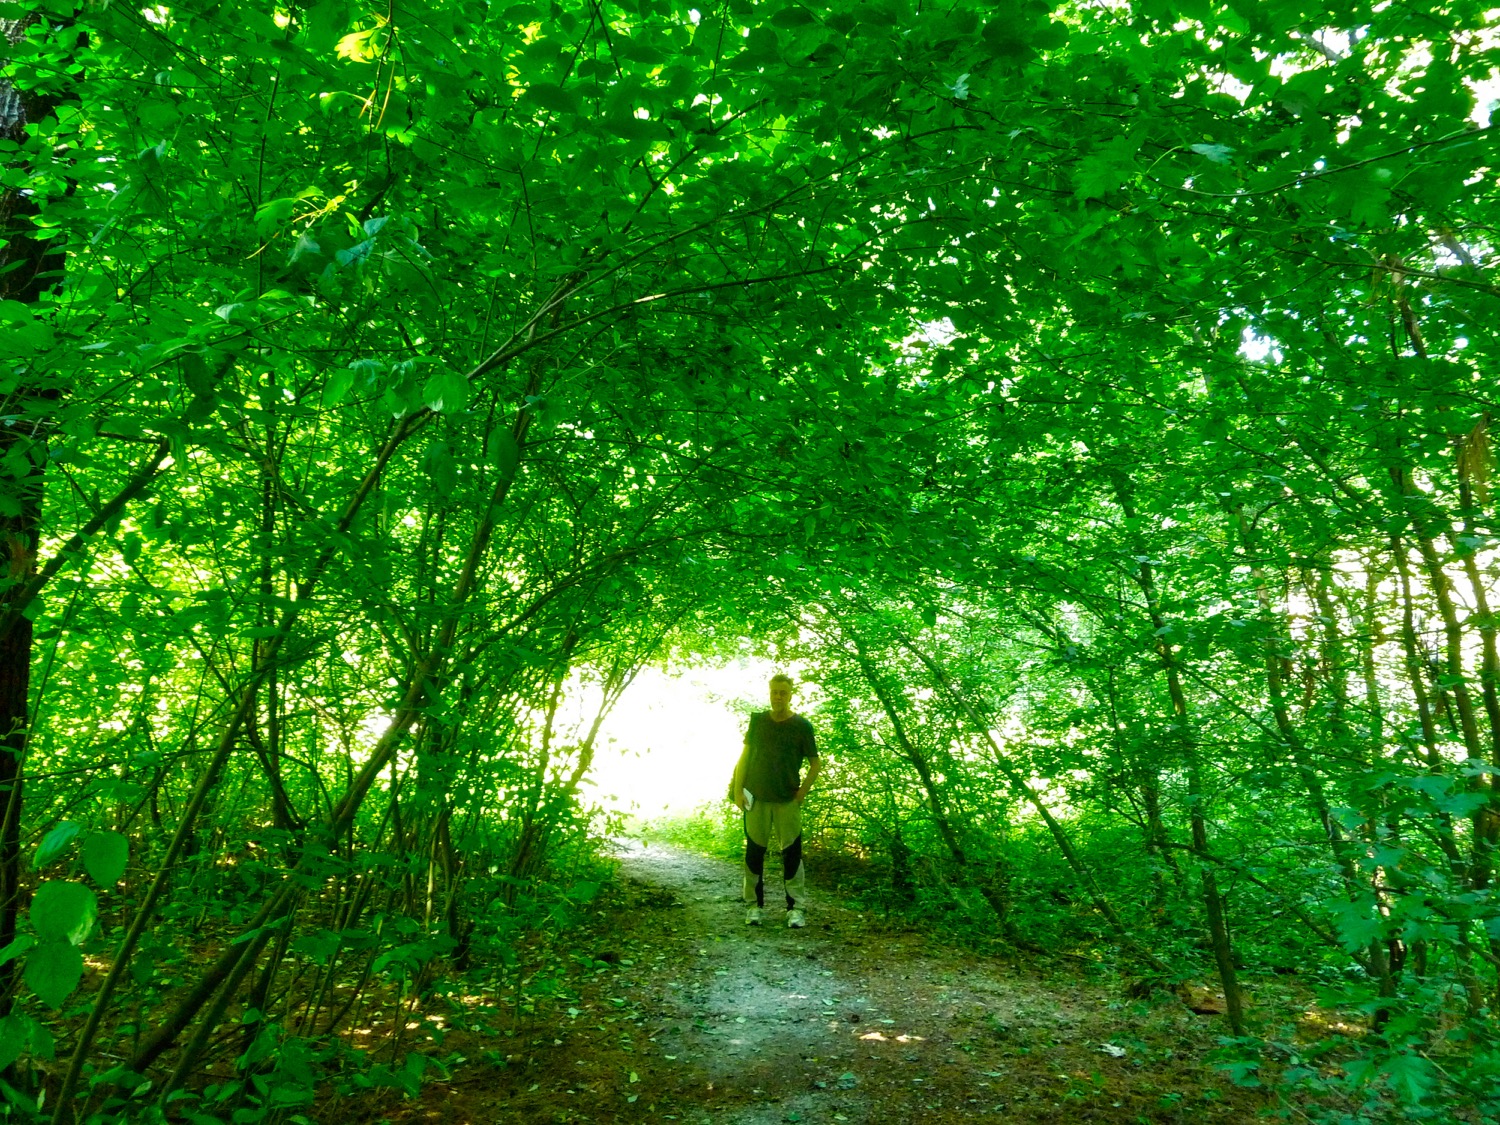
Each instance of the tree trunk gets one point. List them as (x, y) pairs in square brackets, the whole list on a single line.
[(29, 268), (935, 802), (1213, 901), (1376, 960), (1060, 837)]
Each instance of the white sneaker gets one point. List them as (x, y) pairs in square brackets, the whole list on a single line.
[(795, 919), (754, 916)]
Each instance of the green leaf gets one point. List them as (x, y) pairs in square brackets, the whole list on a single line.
[(22, 943), (1008, 36), (447, 391), (1051, 37), (272, 214), (1357, 923), (1105, 169), (1411, 1076), (338, 386), (1364, 196), (363, 46), (63, 911), (1219, 154), (54, 843), (355, 255), (793, 15), (319, 946), (14, 1034), (1462, 804), (583, 891), (43, 1046), (1433, 784), (505, 454), (762, 44), (304, 247), (442, 469), (53, 971), (105, 856), (550, 96)]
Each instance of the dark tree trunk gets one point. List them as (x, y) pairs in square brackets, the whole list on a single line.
[(29, 267)]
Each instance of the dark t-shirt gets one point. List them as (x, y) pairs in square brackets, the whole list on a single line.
[(775, 752)]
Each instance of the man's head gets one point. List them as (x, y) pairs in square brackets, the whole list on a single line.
[(781, 694)]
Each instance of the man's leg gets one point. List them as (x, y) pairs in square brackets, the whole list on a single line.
[(794, 872), (753, 883)]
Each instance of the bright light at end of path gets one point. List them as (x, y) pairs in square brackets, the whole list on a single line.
[(671, 742)]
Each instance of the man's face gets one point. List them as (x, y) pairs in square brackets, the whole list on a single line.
[(781, 696)]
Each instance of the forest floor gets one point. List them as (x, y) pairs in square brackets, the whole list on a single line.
[(704, 1019)]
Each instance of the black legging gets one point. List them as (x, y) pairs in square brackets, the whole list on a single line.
[(755, 860)]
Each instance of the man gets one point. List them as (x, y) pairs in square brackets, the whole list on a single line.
[(768, 788)]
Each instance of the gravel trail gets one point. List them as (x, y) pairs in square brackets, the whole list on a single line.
[(675, 1010), (847, 1021)]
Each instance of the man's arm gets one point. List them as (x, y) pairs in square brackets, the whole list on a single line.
[(814, 764), (737, 781), (814, 767)]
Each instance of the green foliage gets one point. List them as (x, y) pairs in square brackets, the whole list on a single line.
[(63, 911), (53, 970), (715, 829), (105, 856), (1096, 400), (54, 844)]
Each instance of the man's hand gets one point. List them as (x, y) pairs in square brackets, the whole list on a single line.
[(737, 781), (815, 767)]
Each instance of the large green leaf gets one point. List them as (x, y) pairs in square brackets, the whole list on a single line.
[(105, 857), (22, 943), (15, 1036), (63, 911), (54, 843), (53, 970)]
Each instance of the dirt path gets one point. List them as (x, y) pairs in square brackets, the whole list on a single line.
[(703, 1019)]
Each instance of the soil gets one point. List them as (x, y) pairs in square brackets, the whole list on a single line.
[(687, 1014)]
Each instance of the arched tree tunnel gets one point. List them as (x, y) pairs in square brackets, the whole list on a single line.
[(1091, 402)]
